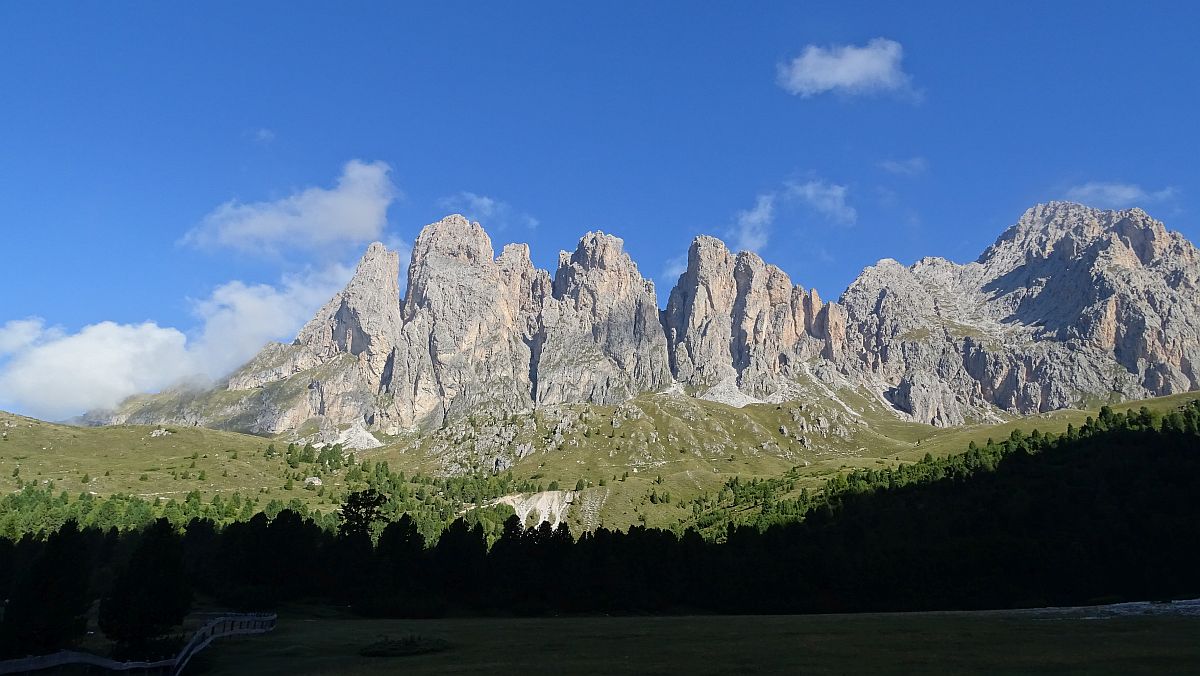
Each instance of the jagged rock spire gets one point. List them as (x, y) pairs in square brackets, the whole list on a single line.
[(599, 337), (1068, 305)]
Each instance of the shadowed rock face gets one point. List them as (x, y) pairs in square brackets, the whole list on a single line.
[(1069, 305)]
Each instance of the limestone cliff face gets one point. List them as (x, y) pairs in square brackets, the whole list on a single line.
[(599, 338), (735, 319), (1069, 306), (465, 320)]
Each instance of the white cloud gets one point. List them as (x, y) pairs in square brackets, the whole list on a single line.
[(1116, 195), (354, 211), (491, 212), (58, 376), (872, 68), (825, 198), (239, 318), (673, 267), (18, 334), (54, 375), (50, 373), (752, 228), (913, 166)]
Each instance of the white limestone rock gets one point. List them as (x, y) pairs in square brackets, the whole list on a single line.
[(1069, 306)]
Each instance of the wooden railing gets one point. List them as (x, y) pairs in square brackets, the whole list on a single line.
[(224, 625), (220, 626)]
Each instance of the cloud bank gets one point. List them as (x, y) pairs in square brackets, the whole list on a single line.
[(871, 69), (55, 376), (48, 373)]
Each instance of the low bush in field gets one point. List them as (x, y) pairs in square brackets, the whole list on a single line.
[(413, 644)]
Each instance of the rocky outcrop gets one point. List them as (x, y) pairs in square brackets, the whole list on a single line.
[(598, 339), (466, 317), (362, 320), (1070, 306), (735, 319)]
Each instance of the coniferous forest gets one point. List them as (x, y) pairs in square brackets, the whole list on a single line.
[(1104, 512)]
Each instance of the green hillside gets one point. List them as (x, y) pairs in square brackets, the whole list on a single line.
[(644, 461)]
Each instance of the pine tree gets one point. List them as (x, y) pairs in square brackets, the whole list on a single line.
[(48, 608), (360, 512), (151, 594)]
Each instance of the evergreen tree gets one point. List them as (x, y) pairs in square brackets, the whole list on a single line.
[(151, 594), (360, 512), (48, 608)]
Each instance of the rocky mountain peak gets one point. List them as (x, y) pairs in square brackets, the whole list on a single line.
[(454, 237), (600, 338), (1069, 305), (1066, 230), (598, 265), (599, 250), (365, 315), (735, 321)]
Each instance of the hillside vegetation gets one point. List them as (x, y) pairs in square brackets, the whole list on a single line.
[(661, 460), (1103, 512)]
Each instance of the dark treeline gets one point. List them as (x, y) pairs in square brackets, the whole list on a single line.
[(1101, 513)]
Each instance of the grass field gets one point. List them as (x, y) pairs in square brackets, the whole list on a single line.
[(959, 643), (693, 445)]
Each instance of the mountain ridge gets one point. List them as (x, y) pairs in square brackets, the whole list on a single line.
[(1069, 306)]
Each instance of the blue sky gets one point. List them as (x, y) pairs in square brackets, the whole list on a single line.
[(181, 182)]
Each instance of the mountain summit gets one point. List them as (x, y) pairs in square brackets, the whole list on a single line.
[(1070, 306)]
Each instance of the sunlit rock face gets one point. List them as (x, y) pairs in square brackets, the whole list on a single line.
[(1071, 305)]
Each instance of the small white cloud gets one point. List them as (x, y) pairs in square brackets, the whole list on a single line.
[(491, 212), (872, 68), (54, 375), (478, 207), (264, 136), (1116, 195), (673, 267), (752, 228), (825, 198), (354, 211), (913, 166)]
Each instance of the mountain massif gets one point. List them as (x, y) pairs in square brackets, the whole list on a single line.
[(1071, 306)]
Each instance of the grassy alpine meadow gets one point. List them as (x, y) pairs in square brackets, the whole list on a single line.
[(1076, 641), (648, 468)]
